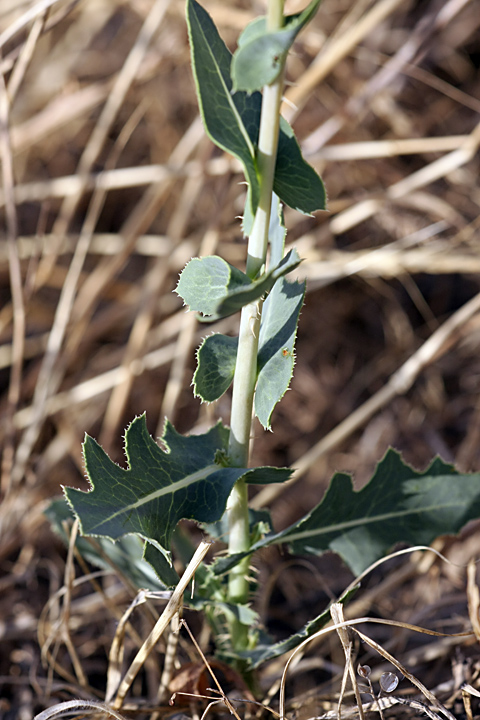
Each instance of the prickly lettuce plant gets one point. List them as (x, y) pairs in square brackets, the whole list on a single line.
[(205, 477)]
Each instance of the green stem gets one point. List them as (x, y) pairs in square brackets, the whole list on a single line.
[(246, 366)]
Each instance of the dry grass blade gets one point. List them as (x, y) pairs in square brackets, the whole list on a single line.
[(359, 621), (414, 680), (50, 376), (161, 625), (16, 285), (473, 595), (428, 174), (336, 611), (38, 9), (73, 707), (334, 51)]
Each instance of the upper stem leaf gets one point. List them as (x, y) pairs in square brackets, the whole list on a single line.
[(261, 54), (232, 120), (217, 289)]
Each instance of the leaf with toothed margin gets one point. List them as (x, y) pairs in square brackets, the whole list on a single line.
[(276, 353), (217, 289), (398, 505), (216, 359), (188, 479)]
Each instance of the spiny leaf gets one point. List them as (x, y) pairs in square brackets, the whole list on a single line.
[(276, 357), (160, 487), (266, 649), (216, 359), (398, 504), (261, 55), (215, 288)]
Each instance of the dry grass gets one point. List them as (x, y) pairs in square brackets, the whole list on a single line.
[(110, 186)]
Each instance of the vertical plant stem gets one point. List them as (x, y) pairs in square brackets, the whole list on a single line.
[(246, 366)]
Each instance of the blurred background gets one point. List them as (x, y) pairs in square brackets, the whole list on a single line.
[(110, 186)]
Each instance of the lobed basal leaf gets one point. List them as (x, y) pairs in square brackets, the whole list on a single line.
[(160, 487), (398, 505)]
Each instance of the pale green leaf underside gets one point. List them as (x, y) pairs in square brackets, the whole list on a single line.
[(276, 231), (261, 55), (276, 358), (216, 359), (205, 282), (399, 504), (216, 289), (127, 554)]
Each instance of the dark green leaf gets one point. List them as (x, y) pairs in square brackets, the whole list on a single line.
[(244, 295), (216, 359), (127, 554), (398, 505), (265, 475), (231, 119), (159, 488), (267, 650), (159, 562), (296, 182)]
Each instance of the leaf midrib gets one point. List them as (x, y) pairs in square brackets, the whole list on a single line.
[(174, 487), (362, 521)]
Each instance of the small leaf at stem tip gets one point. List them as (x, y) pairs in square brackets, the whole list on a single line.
[(261, 54), (231, 119)]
